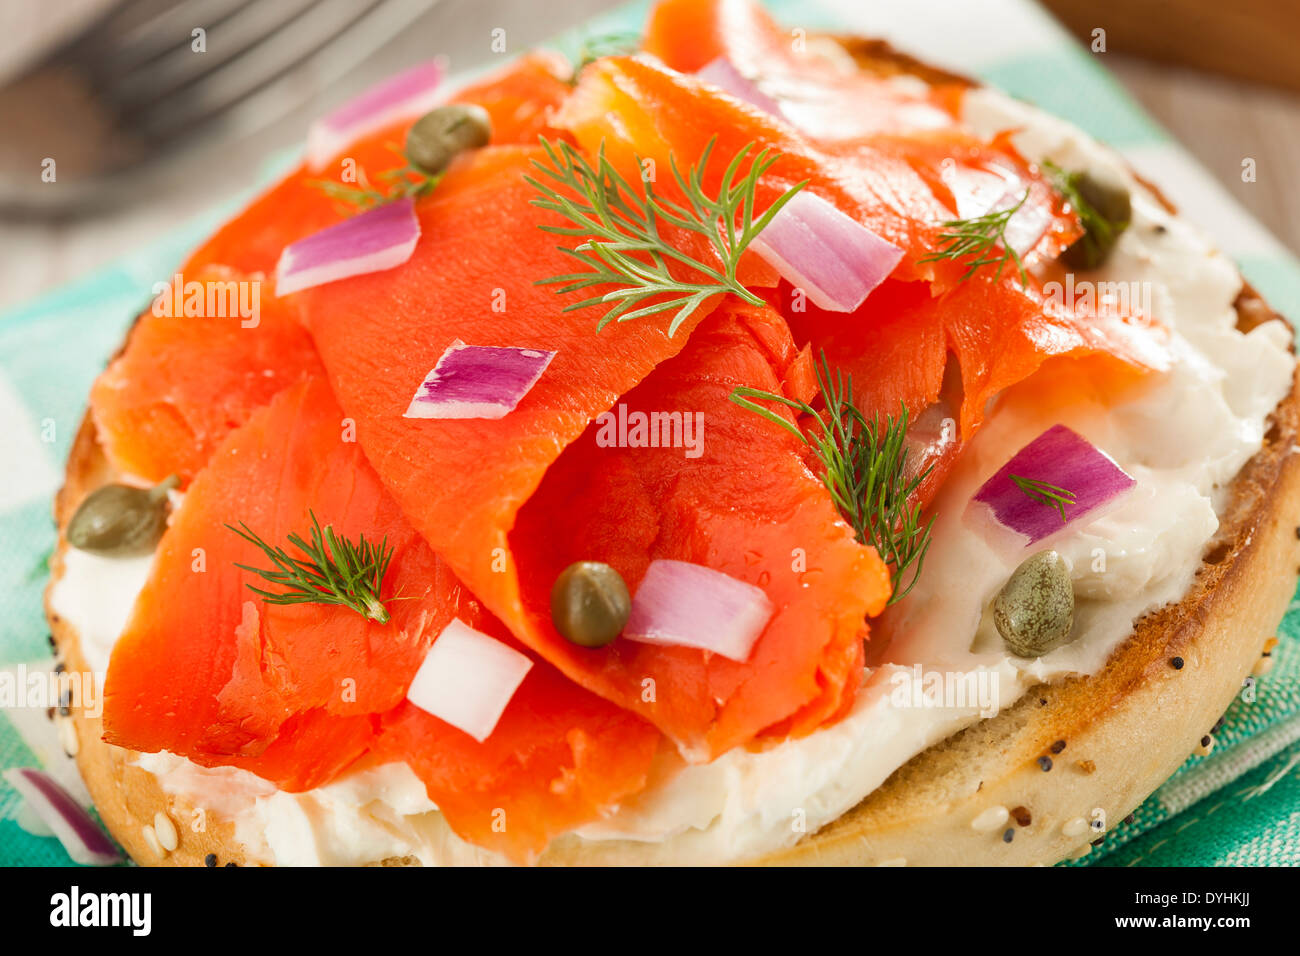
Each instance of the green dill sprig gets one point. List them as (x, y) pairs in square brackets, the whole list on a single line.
[(982, 241), (406, 181), (620, 225), (614, 43), (332, 570), (864, 466), (1054, 496)]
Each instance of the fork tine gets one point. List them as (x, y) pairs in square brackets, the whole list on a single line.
[(234, 39), (335, 33), (168, 31)]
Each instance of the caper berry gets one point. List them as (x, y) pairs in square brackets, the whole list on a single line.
[(440, 135), (119, 520), (1035, 608), (590, 603), (1109, 214)]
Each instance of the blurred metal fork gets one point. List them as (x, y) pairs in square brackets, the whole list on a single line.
[(135, 86)]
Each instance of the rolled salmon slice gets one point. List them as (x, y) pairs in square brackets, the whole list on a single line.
[(215, 347), (207, 669), (642, 113), (518, 98), (734, 494), (463, 483), (815, 85), (296, 694)]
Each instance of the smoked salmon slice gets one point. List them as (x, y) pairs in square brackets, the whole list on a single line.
[(519, 99), (956, 352), (641, 113), (296, 694), (463, 482), (747, 506), (559, 757), (897, 345), (817, 86), (185, 381), (208, 670)]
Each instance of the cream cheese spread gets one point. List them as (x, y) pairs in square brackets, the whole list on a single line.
[(1183, 436)]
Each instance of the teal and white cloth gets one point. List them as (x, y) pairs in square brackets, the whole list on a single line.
[(1240, 805)]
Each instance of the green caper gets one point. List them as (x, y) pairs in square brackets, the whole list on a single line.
[(590, 603), (440, 135), (1106, 211), (119, 520), (1035, 608)]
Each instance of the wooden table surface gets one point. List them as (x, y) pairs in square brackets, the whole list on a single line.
[(1221, 121)]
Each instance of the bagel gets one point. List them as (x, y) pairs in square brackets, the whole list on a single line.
[(1110, 737)]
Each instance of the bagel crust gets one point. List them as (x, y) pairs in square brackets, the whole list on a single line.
[(1111, 738)]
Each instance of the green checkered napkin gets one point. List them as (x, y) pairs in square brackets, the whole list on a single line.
[(1241, 805)]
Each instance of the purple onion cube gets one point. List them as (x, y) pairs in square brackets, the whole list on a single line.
[(478, 381), (1059, 457)]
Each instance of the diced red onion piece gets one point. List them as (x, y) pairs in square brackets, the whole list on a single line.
[(478, 381), (468, 679), (1027, 224), (76, 829), (978, 190), (688, 605), (835, 260), (723, 74), (407, 95), (377, 239), (1061, 457)]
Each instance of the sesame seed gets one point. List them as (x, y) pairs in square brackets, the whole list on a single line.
[(1022, 816), (1130, 818), (1262, 666), (151, 841), (165, 830), (1076, 827), (1058, 746), (1099, 841), (1008, 835), (1206, 746), (231, 863), (1044, 764), (210, 860), (1176, 663), (1086, 766), (1042, 702), (990, 819), (1080, 853)]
